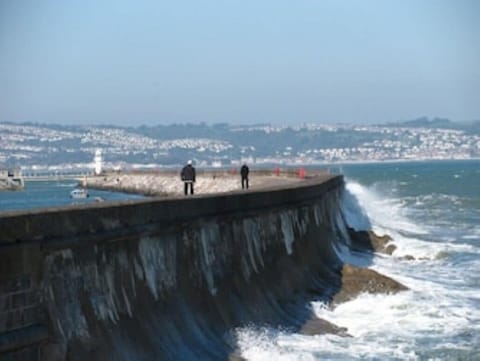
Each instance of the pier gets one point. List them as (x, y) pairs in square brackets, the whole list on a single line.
[(104, 281), (32, 176)]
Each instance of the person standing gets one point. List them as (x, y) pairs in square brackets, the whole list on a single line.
[(244, 173), (188, 177)]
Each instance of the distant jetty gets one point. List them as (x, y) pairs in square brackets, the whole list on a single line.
[(11, 180), (168, 184)]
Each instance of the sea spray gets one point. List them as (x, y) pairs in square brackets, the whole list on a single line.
[(429, 218)]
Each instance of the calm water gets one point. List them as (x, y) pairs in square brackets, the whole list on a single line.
[(432, 211), (52, 193)]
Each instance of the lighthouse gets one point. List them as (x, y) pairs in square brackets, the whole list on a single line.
[(97, 160)]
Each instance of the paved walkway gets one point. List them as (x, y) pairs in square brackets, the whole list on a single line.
[(170, 184)]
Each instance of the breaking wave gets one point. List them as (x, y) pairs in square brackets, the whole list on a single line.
[(440, 311)]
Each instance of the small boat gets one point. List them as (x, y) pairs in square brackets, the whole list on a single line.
[(79, 193)]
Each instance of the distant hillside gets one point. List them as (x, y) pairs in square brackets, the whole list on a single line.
[(472, 127), (33, 144)]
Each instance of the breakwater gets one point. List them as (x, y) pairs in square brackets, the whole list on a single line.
[(166, 279)]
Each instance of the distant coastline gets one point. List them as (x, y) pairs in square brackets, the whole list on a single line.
[(36, 146)]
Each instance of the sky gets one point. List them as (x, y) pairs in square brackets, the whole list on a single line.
[(238, 61)]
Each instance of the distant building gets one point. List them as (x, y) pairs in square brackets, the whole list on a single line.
[(217, 164)]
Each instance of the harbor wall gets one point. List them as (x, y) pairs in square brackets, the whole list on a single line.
[(164, 278)]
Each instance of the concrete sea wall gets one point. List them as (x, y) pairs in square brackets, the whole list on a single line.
[(164, 279)]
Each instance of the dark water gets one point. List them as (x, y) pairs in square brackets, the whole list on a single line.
[(52, 193)]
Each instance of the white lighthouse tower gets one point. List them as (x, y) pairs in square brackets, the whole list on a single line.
[(98, 162)]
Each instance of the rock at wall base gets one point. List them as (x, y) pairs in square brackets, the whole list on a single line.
[(356, 280), (236, 357), (407, 258), (369, 241), (318, 326)]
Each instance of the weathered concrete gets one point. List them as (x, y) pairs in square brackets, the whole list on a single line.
[(167, 278), (69, 224), (168, 183), (121, 280)]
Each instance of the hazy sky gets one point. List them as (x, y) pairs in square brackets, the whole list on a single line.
[(149, 62)]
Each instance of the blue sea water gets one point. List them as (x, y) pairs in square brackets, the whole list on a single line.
[(432, 211), (39, 194)]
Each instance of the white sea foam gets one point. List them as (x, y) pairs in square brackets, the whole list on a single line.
[(389, 216), (378, 321), (382, 326), (440, 308), (383, 214)]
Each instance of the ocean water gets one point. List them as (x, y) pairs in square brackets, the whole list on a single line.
[(432, 211), (40, 194)]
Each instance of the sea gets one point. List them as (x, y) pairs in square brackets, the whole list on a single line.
[(40, 194), (432, 212)]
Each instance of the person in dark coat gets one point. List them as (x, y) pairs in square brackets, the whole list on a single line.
[(188, 177), (244, 173)]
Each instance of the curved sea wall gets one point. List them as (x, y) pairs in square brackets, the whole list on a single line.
[(165, 279)]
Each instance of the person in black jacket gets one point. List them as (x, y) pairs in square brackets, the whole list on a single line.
[(244, 173), (188, 177)]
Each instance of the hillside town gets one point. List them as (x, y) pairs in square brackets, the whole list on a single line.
[(33, 146)]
